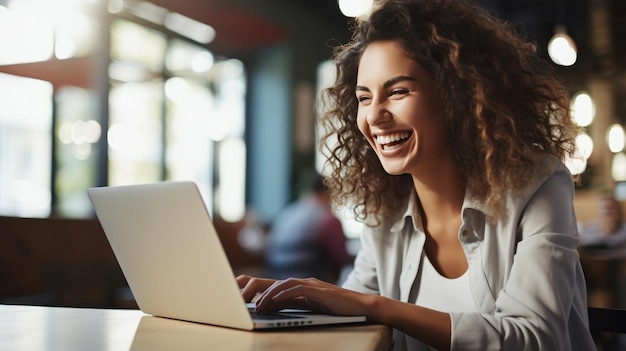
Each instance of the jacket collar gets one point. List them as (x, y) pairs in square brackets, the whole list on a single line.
[(411, 211)]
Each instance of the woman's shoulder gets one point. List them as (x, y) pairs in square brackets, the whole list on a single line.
[(552, 186), (551, 176), (550, 172)]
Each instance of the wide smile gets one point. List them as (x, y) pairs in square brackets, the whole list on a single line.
[(392, 141)]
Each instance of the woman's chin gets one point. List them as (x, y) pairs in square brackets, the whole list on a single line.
[(394, 169)]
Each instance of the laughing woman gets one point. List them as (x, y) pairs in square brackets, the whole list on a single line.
[(449, 136)]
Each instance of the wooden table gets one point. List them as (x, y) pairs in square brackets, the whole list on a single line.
[(35, 328)]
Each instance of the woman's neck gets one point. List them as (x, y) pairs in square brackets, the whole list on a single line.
[(441, 196)]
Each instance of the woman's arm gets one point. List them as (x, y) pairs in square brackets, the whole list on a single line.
[(540, 298), (429, 326)]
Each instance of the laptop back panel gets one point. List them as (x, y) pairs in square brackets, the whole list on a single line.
[(169, 252)]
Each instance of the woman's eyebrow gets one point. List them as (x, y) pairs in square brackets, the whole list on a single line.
[(397, 79), (388, 83)]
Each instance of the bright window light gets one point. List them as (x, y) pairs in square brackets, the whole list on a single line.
[(190, 28), (29, 35), (232, 170), (150, 12), (25, 132)]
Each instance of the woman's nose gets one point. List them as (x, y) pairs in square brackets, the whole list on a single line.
[(378, 113)]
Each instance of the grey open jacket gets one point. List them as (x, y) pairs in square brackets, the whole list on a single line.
[(524, 270)]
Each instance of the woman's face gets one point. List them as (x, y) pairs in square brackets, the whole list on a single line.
[(398, 111)]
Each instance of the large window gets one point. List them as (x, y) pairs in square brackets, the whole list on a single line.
[(135, 104), (175, 111), (25, 139), (76, 138), (37, 30), (134, 134)]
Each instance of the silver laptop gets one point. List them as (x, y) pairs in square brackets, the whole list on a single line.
[(171, 256)]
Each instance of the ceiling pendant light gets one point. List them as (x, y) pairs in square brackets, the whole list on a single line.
[(355, 8), (562, 48)]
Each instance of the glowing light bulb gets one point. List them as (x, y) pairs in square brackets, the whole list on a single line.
[(561, 48), (355, 8)]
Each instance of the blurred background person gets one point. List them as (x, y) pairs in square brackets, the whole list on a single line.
[(608, 229), (307, 239)]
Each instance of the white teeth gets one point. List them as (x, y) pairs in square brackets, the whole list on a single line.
[(390, 138)]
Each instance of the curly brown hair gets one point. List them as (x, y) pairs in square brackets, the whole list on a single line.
[(503, 104)]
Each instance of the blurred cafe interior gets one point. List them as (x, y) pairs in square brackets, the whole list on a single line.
[(223, 92)]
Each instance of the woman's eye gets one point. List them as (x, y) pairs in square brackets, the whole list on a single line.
[(362, 98), (399, 91)]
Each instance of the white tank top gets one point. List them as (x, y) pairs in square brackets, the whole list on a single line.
[(443, 294)]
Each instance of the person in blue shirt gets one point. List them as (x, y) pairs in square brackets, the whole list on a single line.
[(307, 239), (446, 134)]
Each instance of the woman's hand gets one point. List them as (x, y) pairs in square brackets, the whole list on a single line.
[(251, 287), (311, 294)]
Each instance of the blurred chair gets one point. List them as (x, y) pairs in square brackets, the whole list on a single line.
[(608, 328)]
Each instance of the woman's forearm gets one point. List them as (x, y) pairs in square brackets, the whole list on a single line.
[(429, 326)]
